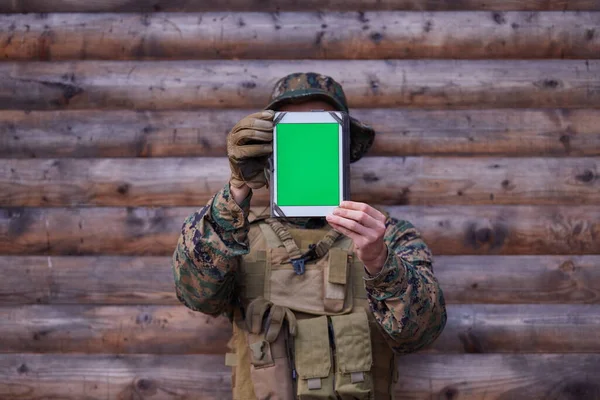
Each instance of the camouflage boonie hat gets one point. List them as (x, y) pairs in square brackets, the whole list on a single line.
[(300, 87)]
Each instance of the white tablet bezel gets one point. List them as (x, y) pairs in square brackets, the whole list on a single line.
[(307, 118)]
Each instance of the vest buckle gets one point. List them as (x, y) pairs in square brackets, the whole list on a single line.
[(299, 265)]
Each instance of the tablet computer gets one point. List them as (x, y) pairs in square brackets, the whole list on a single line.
[(310, 163)]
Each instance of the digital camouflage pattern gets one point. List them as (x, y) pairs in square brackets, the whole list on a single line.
[(404, 297), (300, 87)]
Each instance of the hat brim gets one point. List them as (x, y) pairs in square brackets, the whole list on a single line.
[(300, 96), (361, 135)]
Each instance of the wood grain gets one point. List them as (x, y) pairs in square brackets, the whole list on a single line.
[(148, 280), (21, 6), (112, 329), (86, 280), (390, 180), (506, 230), (518, 377), (178, 330), (181, 85), (519, 279), (122, 133), (299, 35), (520, 329), (82, 376), (448, 230), (421, 376)]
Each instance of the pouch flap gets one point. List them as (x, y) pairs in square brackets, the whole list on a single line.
[(310, 292), (352, 342), (336, 273), (313, 356), (260, 351), (338, 266)]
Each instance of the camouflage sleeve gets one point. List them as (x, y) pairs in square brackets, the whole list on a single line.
[(405, 297), (208, 254)]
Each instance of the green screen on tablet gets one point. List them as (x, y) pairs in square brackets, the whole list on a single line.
[(308, 164)]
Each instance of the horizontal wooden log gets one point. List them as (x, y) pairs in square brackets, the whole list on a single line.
[(448, 230), (520, 329), (519, 279), (87, 280), (94, 133), (78, 376), (202, 377), (518, 377), (42, 6), (182, 85), (299, 35), (394, 181), (178, 330), (112, 329), (149, 280)]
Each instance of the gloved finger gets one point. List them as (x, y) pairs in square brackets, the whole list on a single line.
[(252, 173), (267, 115), (251, 151), (274, 323), (253, 123), (250, 135), (256, 183)]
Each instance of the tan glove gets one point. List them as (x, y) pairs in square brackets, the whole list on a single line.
[(249, 146)]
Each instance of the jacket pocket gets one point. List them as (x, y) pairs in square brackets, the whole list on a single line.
[(353, 356), (313, 360)]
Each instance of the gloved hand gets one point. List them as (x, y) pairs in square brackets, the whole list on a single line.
[(249, 146)]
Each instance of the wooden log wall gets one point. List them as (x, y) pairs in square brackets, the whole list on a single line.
[(113, 118)]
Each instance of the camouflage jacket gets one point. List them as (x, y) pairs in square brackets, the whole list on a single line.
[(404, 297)]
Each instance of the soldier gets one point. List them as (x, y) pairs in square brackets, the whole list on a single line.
[(368, 293)]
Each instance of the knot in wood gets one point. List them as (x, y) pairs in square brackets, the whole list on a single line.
[(586, 176), (448, 393)]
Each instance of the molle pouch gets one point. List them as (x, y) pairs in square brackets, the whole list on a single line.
[(323, 289), (270, 370), (313, 360), (353, 356), (335, 279)]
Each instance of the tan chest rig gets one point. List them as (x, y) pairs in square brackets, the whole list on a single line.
[(307, 332)]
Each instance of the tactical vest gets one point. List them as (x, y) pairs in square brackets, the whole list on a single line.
[(309, 335)]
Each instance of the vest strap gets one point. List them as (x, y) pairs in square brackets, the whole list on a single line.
[(292, 323), (325, 244), (231, 359), (255, 313), (274, 323), (297, 258), (271, 238), (285, 237)]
